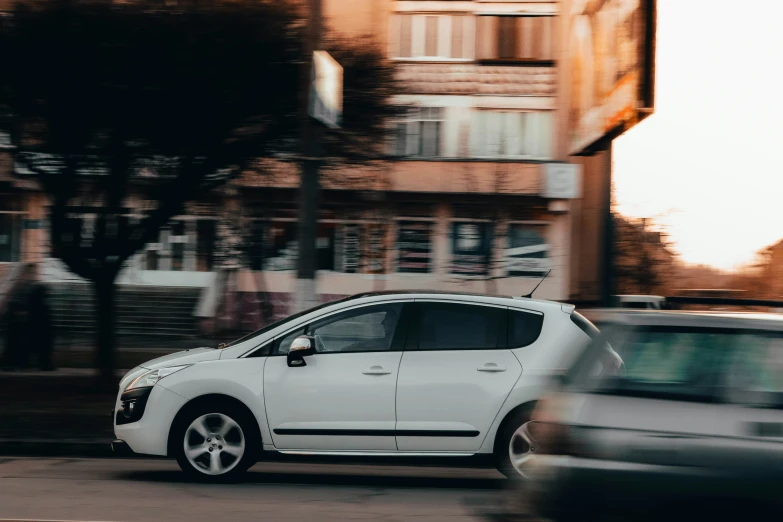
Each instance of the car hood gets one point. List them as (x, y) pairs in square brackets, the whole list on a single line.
[(191, 356)]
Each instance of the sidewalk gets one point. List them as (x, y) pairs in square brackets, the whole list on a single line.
[(59, 413), (54, 413)]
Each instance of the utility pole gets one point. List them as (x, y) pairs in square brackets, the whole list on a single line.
[(607, 265), (311, 132)]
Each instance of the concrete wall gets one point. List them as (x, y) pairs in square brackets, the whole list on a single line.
[(358, 18)]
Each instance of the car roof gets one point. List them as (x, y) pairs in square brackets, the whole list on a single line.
[(466, 296), (700, 319)]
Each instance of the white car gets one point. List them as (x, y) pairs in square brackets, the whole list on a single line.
[(408, 374)]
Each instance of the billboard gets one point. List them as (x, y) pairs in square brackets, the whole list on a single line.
[(611, 52)]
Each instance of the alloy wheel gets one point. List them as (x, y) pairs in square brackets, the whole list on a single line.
[(214, 444), (521, 448)]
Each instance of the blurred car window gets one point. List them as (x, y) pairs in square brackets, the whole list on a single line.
[(676, 363), (754, 374)]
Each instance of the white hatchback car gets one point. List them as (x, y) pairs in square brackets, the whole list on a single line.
[(408, 374)]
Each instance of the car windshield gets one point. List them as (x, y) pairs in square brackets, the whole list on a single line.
[(274, 325)]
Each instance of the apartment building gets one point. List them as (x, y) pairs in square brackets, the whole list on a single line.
[(475, 194)]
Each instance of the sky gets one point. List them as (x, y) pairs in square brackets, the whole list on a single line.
[(707, 164)]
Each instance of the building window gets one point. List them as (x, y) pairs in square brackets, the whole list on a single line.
[(206, 235), (414, 247), (511, 134), (177, 240), (340, 247), (281, 246), (515, 39), (471, 246), (527, 251), (348, 248), (376, 247), (433, 37), (10, 237), (419, 134)]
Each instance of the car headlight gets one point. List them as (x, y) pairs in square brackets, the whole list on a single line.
[(153, 376)]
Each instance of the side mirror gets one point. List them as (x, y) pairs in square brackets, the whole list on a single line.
[(300, 347)]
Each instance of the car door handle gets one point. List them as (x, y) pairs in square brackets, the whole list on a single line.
[(492, 368), (376, 370)]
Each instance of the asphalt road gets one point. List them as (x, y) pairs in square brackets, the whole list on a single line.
[(68, 489)]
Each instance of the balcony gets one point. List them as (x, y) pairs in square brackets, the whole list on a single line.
[(433, 176), (468, 79)]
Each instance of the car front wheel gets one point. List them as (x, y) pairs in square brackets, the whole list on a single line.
[(214, 443)]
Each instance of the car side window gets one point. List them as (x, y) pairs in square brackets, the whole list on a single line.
[(523, 328), (668, 362), (451, 326), (754, 374), (367, 329)]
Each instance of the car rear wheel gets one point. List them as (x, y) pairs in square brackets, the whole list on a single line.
[(515, 446), (215, 443)]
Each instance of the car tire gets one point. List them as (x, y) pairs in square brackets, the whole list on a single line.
[(215, 441), (513, 444)]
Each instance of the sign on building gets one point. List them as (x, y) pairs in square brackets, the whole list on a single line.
[(562, 181), (326, 91), (611, 51)]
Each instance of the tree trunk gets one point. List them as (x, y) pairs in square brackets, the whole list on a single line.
[(106, 315)]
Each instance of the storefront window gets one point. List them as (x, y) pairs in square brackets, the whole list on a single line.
[(471, 244), (414, 247), (177, 240), (281, 246), (183, 245), (376, 247), (10, 237), (340, 247), (348, 253), (324, 246), (257, 244), (527, 252), (205, 244)]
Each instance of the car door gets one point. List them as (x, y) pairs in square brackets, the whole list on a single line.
[(750, 420), (454, 376), (343, 398)]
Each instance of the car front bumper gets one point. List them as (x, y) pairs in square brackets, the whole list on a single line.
[(149, 435)]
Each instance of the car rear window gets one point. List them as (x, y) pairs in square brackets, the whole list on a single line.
[(523, 328)]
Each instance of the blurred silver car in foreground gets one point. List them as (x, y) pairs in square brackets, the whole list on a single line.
[(691, 426)]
